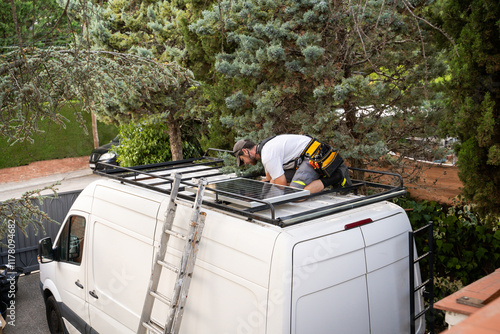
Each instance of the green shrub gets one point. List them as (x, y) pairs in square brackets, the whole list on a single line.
[(147, 142), (466, 249)]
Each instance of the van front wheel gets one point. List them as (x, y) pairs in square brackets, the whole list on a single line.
[(54, 319)]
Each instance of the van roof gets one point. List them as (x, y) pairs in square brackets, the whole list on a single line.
[(376, 186)]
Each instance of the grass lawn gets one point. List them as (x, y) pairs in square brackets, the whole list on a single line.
[(56, 142)]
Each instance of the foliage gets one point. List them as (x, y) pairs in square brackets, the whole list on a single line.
[(473, 96), (27, 30), (142, 144), (36, 24), (156, 29), (117, 87), (147, 142), (350, 73), (22, 213), (213, 110), (466, 248)]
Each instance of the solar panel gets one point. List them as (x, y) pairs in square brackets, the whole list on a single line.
[(253, 190)]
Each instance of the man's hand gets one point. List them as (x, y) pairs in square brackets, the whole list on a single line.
[(267, 178)]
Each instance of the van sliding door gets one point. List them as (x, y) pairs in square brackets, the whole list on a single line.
[(122, 229)]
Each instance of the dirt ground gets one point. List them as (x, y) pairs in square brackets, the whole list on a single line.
[(437, 183)]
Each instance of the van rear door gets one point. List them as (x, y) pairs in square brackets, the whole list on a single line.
[(329, 291), (387, 274), (355, 280)]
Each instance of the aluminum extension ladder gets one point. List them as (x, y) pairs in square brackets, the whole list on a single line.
[(184, 271)]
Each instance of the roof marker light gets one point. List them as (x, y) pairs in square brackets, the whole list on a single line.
[(358, 223)]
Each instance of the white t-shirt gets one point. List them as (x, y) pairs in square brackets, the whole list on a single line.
[(280, 150)]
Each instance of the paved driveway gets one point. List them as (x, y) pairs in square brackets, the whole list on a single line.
[(30, 308)]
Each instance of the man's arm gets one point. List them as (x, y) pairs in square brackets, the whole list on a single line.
[(280, 180)]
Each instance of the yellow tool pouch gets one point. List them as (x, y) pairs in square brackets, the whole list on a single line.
[(322, 157)]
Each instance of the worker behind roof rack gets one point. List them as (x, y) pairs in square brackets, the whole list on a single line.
[(296, 160)]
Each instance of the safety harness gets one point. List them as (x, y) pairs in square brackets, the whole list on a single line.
[(262, 143), (322, 157)]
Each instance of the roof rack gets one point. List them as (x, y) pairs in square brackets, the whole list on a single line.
[(159, 177)]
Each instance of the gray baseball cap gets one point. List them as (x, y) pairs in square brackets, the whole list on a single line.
[(239, 146)]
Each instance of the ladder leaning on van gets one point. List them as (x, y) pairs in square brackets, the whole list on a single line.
[(184, 271)]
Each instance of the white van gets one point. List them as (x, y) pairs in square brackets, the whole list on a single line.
[(272, 261)]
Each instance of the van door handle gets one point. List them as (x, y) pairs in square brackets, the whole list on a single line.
[(78, 284), (93, 294)]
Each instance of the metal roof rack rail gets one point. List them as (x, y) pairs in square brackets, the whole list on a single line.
[(157, 177)]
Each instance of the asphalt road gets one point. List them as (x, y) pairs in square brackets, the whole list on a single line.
[(29, 315)]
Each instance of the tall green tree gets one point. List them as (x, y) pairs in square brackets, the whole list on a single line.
[(37, 80), (122, 84), (356, 73), (159, 29), (473, 108), (25, 26), (154, 29)]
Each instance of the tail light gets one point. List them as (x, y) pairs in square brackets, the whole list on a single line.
[(358, 223)]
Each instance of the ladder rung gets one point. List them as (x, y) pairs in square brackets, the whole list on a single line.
[(421, 257), (422, 312), (168, 266), (422, 285), (175, 234), (154, 327), (161, 297)]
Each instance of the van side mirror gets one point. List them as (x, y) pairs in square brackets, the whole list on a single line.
[(45, 251)]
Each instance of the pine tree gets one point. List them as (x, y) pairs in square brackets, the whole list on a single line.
[(117, 87), (158, 30), (23, 212), (136, 74), (357, 74)]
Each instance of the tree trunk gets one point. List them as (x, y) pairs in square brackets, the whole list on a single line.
[(351, 120), (174, 132), (95, 134)]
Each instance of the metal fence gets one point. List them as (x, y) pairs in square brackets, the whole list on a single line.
[(26, 247)]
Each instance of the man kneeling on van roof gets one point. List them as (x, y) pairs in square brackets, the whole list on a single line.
[(296, 160)]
